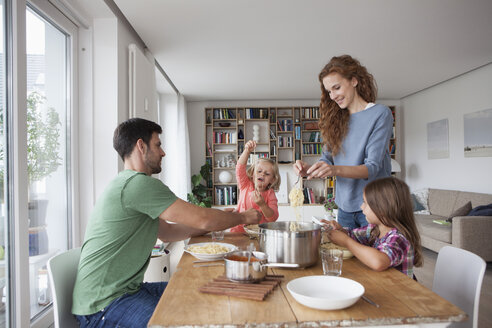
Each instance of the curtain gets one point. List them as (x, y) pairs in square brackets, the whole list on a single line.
[(176, 144)]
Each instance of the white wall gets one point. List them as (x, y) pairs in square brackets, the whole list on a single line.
[(450, 100), (108, 40)]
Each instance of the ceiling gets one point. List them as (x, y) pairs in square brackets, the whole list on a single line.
[(274, 49)]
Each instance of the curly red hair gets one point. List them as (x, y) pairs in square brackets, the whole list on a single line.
[(334, 121)]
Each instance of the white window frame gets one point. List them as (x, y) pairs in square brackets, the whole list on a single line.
[(20, 298)]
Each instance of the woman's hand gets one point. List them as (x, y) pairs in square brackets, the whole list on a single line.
[(258, 198), (320, 170), (300, 168)]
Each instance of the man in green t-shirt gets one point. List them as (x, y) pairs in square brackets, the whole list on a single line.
[(127, 219)]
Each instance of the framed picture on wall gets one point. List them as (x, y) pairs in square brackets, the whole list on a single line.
[(478, 134), (438, 139)]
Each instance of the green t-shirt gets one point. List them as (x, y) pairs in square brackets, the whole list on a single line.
[(119, 239)]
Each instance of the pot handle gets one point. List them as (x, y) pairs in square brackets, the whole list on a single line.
[(282, 265)]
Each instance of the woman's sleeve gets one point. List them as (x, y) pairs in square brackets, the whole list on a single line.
[(378, 143), (241, 176), (273, 204), (326, 156)]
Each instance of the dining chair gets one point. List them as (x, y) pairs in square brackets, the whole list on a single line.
[(458, 278), (62, 271)]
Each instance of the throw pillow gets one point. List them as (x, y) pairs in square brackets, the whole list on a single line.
[(462, 211), (416, 205), (422, 196), (484, 210)]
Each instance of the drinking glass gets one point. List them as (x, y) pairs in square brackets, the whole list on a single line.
[(217, 235), (332, 260)]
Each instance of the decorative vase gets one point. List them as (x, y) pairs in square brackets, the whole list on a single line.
[(256, 132), (225, 177)]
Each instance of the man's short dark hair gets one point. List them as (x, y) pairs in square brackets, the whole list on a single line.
[(127, 134)]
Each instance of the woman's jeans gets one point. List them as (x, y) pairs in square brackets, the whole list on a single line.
[(351, 220), (127, 311)]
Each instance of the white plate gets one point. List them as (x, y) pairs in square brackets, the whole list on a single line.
[(325, 292), (201, 256)]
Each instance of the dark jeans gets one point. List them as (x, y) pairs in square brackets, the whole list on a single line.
[(351, 220), (127, 311)]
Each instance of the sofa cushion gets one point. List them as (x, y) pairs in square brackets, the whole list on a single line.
[(476, 199), (422, 197), (417, 206), (441, 202), (427, 227), (484, 210), (462, 211)]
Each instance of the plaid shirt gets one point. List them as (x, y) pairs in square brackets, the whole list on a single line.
[(393, 244)]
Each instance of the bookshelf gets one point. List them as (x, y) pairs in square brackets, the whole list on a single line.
[(284, 134)]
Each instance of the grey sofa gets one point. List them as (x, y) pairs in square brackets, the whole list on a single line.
[(472, 233)]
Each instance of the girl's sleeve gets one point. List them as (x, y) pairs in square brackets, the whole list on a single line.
[(273, 204), (241, 176), (361, 235), (377, 144), (395, 247)]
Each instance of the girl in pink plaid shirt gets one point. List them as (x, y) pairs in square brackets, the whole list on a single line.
[(391, 239)]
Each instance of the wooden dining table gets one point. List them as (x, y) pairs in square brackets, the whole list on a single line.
[(401, 300)]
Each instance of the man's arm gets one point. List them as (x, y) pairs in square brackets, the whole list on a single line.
[(174, 232), (207, 219)]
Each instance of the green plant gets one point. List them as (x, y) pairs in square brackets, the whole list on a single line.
[(198, 195), (330, 204), (43, 134)]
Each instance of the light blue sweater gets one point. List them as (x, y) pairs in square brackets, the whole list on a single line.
[(367, 143)]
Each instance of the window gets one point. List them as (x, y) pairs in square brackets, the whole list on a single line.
[(4, 287), (49, 49)]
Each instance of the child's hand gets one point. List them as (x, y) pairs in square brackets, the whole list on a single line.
[(250, 145), (332, 224), (339, 237), (258, 198)]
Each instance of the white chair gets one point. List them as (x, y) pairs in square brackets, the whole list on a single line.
[(458, 278), (62, 270)]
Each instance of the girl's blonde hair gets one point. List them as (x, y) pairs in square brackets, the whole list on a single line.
[(390, 200), (334, 121), (276, 174)]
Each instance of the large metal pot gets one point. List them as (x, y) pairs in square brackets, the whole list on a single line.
[(283, 245), (238, 269)]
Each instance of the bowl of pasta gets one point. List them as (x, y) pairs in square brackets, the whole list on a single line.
[(252, 230), (210, 251), (346, 253)]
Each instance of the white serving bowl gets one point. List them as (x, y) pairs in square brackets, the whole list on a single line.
[(325, 292), (210, 257)]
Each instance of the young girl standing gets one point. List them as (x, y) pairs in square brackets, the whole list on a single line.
[(257, 186), (391, 239)]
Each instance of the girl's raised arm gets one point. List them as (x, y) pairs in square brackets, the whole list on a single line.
[(248, 148)]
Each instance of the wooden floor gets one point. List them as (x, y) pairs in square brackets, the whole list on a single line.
[(425, 275)]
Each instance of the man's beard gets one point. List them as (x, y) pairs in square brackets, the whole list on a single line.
[(155, 167)]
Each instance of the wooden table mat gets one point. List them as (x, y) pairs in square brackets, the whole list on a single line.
[(253, 291)]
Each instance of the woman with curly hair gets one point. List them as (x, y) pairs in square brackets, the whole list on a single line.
[(356, 134)]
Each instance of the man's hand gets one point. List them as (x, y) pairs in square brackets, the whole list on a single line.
[(251, 216)]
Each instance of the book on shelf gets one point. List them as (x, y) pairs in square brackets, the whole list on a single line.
[(272, 135), (209, 149)]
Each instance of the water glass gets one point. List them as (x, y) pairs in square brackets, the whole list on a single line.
[(218, 235), (332, 260)]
